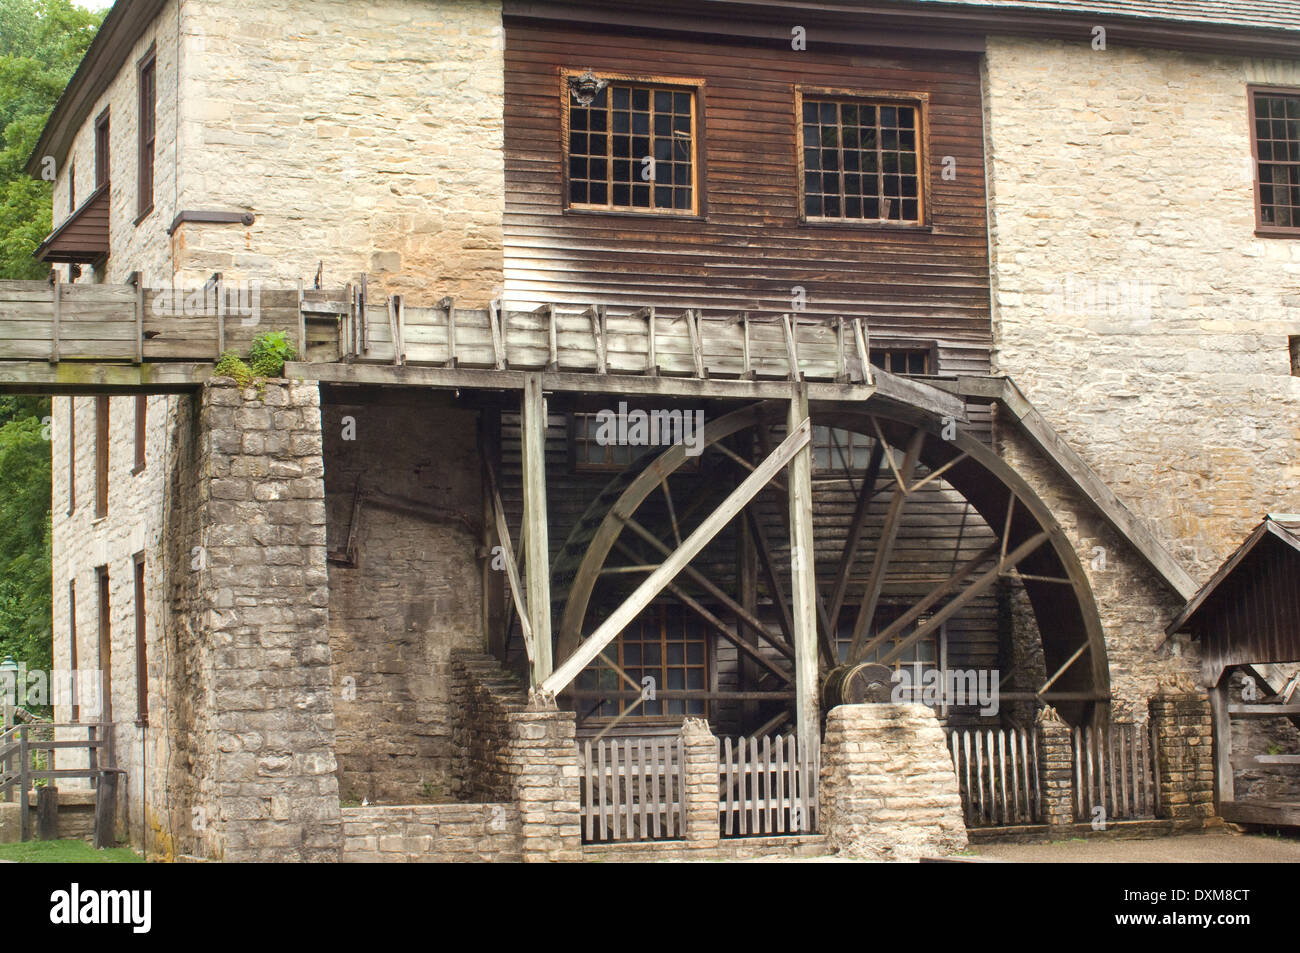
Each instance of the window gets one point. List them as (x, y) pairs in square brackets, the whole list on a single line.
[(141, 431), (101, 149), (862, 157), (664, 643), (105, 647), (72, 187), (101, 457), (590, 450), (141, 660), (72, 647), (1294, 343), (1275, 133), (633, 147), (835, 450), (147, 119), (903, 360)]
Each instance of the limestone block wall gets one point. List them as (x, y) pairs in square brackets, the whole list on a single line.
[(431, 834), (82, 544), (364, 136), (888, 789), (267, 788), (413, 594), (1132, 301)]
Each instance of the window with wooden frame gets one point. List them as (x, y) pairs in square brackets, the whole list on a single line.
[(72, 187), (105, 646), (141, 656), (904, 360), (101, 456), (147, 72), (592, 452), (101, 149), (665, 643), (861, 156), (72, 648), (633, 145), (835, 450), (141, 431), (1275, 139)]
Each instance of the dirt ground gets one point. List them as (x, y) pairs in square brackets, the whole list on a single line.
[(1218, 847)]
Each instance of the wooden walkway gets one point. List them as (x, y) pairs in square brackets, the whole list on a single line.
[(92, 333)]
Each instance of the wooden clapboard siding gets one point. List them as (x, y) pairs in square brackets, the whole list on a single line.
[(749, 248)]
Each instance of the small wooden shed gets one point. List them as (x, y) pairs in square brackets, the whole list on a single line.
[(1247, 619)]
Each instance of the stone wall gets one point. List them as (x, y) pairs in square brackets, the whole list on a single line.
[(412, 593), (367, 137), (1133, 303), (483, 696), (888, 789), (267, 788), (1184, 757), (431, 833)]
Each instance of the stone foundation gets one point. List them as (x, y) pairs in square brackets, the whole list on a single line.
[(888, 790), (431, 833), (1184, 757)]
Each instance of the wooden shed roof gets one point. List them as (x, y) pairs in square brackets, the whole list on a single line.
[(1249, 611)]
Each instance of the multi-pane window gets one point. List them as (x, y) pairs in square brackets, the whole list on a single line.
[(633, 149), (101, 149), (147, 119), (861, 160), (590, 451), (665, 644), (834, 449), (1276, 116), (902, 360), (101, 456)]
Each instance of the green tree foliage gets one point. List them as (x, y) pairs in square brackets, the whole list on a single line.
[(41, 43)]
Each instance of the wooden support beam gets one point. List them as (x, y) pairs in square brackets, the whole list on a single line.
[(789, 328), (768, 564), (697, 344), (597, 313), (508, 556), (498, 339), (221, 315), (803, 578), (547, 311), (749, 648), (57, 302), (747, 360), (363, 313), (652, 353), (448, 304), (705, 583), (537, 558), (139, 321), (621, 617), (1221, 728), (302, 323), (1078, 654), (854, 535), (672, 511), (885, 546), (864, 352), (976, 588), (959, 575)]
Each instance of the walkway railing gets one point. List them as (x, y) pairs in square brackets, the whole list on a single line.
[(30, 754)]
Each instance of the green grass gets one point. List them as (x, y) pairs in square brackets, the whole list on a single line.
[(66, 852)]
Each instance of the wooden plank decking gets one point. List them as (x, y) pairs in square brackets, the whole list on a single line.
[(118, 325)]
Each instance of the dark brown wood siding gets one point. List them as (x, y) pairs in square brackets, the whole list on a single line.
[(749, 249)]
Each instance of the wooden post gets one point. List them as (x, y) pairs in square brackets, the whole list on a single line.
[(537, 555), (803, 579), (1224, 780), (106, 810), (47, 813), (493, 592), (139, 319), (57, 319), (24, 780)]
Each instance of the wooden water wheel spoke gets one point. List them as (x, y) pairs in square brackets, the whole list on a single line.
[(865, 494), (885, 548)]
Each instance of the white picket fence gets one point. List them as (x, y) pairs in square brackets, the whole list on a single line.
[(997, 773), (767, 786), (1114, 770), (633, 789)]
